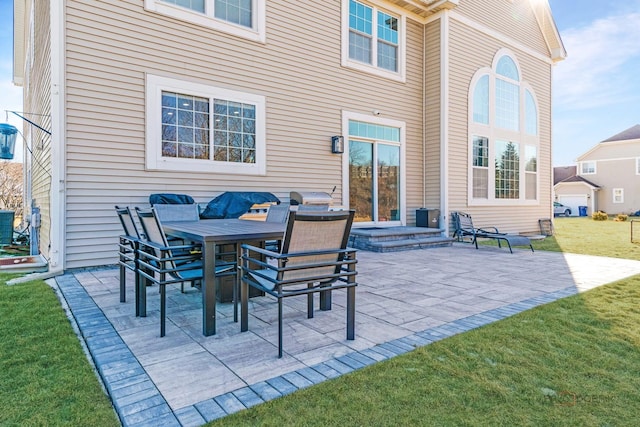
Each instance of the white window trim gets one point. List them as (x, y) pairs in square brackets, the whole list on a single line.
[(346, 116), (257, 33), (618, 190), (154, 160), (493, 133), (582, 164), (347, 62)]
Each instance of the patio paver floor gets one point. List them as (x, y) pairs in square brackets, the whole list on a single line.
[(404, 300)]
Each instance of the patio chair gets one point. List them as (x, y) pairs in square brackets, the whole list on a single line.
[(184, 212), (464, 228), (276, 213), (127, 250), (191, 212), (166, 264), (314, 259), (546, 226), (177, 212)]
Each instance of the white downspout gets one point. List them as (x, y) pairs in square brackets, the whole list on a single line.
[(444, 122), (58, 133), (424, 116)]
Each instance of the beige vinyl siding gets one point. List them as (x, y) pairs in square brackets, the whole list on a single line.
[(110, 47), (619, 173), (613, 150), (415, 156), (469, 51), (433, 101), (513, 18), (37, 104)]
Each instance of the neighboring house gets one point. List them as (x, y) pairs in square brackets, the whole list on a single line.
[(442, 104), (560, 173), (608, 176)]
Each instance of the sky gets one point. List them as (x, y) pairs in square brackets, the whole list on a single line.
[(596, 89), (10, 95)]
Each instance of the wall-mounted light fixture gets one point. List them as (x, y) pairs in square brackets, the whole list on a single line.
[(337, 144)]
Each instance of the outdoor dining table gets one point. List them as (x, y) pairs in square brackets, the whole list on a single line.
[(212, 232)]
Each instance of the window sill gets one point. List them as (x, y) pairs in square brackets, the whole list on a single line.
[(375, 71)]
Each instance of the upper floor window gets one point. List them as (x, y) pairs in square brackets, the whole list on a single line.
[(503, 133), (530, 114), (507, 94), (587, 168), (373, 39), (243, 18), (481, 101), (200, 128)]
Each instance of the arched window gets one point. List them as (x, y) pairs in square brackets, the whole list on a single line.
[(503, 135)]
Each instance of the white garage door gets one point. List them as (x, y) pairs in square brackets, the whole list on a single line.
[(573, 201)]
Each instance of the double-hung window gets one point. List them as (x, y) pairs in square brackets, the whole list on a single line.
[(200, 128), (503, 135), (373, 39), (243, 18), (587, 168), (618, 195)]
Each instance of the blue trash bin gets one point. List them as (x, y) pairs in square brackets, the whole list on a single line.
[(582, 210)]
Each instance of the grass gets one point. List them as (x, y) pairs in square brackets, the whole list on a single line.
[(582, 235), (572, 362), (602, 238), (524, 370), (45, 379)]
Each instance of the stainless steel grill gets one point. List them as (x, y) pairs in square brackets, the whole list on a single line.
[(310, 198)]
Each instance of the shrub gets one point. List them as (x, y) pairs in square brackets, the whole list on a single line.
[(600, 216), (621, 217)]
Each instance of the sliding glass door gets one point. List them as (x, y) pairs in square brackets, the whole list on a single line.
[(374, 172)]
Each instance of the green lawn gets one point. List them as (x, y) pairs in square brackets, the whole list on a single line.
[(524, 370), (45, 379), (603, 238), (572, 362), (582, 235)]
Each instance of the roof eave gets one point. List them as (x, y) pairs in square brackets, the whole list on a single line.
[(425, 8), (550, 32), (587, 184)]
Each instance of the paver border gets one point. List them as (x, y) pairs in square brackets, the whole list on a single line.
[(139, 403)]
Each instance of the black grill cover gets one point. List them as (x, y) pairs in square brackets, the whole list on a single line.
[(233, 204), (170, 199)]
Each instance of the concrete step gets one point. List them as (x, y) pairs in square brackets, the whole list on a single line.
[(407, 244), (392, 239)]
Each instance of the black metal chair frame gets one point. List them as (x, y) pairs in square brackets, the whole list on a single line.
[(165, 264), (128, 251), (464, 228), (256, 268)]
